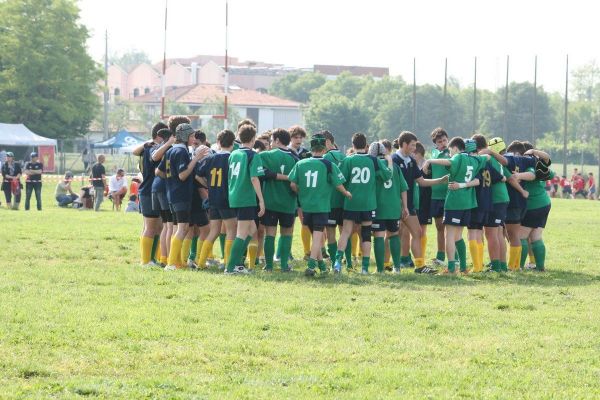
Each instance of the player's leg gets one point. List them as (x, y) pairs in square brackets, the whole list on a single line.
[(286, 232), (182, 217), (475, 237), (452, 234), (28, 192), (230, 233), (269, 221), (412, 224), (246, 228), (347, 228), (405, 245), (539, 248), (214, 230), (365, 244), (441, 241)]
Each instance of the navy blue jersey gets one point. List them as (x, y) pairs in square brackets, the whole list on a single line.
[(411, 173), (159, 185), (174, 162), (425, 193), (487, 177), (147, 167), (517, 164), (215, 170)]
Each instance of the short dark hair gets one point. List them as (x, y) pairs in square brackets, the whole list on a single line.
[(527, 145), (457, 142), (246, 121), (282, 135), (438, 133), (420, 149), (260, 146), (396, 143), (328, 136), (317, 142), (200, 136), (480, 141), (515, 147), (164, 133), (359, 140), (157, 127), (225, 138), (406, 137), (246, 133), (265, 136), (297, 130), (387, 144), (176, 120)]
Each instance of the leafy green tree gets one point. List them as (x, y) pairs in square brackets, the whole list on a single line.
[(47, 79), (338, 114), (298, 87)]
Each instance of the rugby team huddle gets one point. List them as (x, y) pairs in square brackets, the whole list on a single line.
[(381, 195)]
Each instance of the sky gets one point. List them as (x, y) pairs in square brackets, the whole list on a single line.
[(301, 33)]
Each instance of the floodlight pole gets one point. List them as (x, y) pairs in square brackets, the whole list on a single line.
[(475, 99), (164, 67), (506, 100), (105, 120), (565, 127), (445, 104), (414, 97), (534, 105)]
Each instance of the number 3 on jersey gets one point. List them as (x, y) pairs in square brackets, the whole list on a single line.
[(360, 175), (311, 178)]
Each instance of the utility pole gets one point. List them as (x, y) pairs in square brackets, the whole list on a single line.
[(445, 100), (105, 120), (534, 105), (565, 128), (505, 119), (475, 99), (414, 116)]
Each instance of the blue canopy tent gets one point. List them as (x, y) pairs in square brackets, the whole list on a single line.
[(122, 139)]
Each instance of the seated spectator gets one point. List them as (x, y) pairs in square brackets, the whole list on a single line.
[(134, 187), (132, 206), (64, 194), (117, 188)]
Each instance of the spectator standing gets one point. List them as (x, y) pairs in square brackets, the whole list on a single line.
[(117, 187), (99, 181), (591, 186), (578, 186), (2, 157), (63, 193), (33, 170), (11, 184), (565, 184)]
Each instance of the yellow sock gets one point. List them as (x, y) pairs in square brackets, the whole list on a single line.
[(156, 255), (228, 244), (387, 264), (423, 245), (175, 253), (419, 262), (146, 249), (163, 259), (514, 258), (204, 253), (474, 250), (355, 245), (531, 258), (185, 250), (252, 252), (306, 237), (480, 252), (198, 248)]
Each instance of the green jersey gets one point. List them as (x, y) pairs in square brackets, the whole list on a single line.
[(389, 195), (336, 157), (499, 190), (361, 171), (538, 197), (316, 178), (244, 164), (438, 192), (278, 195), (463, 168)]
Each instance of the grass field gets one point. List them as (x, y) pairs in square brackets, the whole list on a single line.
[(79, 318)]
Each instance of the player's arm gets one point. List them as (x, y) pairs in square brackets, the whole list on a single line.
[(489, 152), (514, 182), (405, 212), (261, 201), (457, 186), (342, 189), (200, 154), (139, 150), (160, 152), (524, 176), (294, 187), (432, 182)]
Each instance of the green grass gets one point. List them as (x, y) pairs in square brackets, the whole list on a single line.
[(79, 318)]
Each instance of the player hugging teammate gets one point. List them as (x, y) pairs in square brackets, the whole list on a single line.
[(241, 193)]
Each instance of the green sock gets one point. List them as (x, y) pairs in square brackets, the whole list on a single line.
[(339, 255), (312, 263), (395, 250), (409, 260), (379, 246), (222, 237), (539, 251), (496, 266), (503, 266), (348, 253), (155, 241), (285, 246), (278, 250), (269, 248), (365, 263), (332, 250), (461, 249), (322, 265), (237, 249), (403, 260), (441, 256), (193, 248), (451, 266), (524, 251)]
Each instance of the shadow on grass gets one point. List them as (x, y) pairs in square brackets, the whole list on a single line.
[(551, 278)]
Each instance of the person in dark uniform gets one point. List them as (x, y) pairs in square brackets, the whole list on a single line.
[(33, 170), (11, 175), (99, 181)]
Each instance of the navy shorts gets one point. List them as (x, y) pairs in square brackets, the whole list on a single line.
[(221, 213), (146, 206), (478, 217), (358, 216), (536, 218), (514, 215), (496, 216), (273, 218), (336, 217), (315, 220), (199, 218), (457, 217), (424, 216), (182, 212), (437, 208), (246, 213), (160, 202), (380, 225)]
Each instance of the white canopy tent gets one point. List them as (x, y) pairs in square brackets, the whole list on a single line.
[(20, 135)]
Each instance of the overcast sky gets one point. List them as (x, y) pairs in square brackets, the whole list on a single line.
[(301, 33)]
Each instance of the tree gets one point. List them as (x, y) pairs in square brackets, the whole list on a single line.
[(47, 79), (337, 114), (298, 87), (129, 59), (586, 82)]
